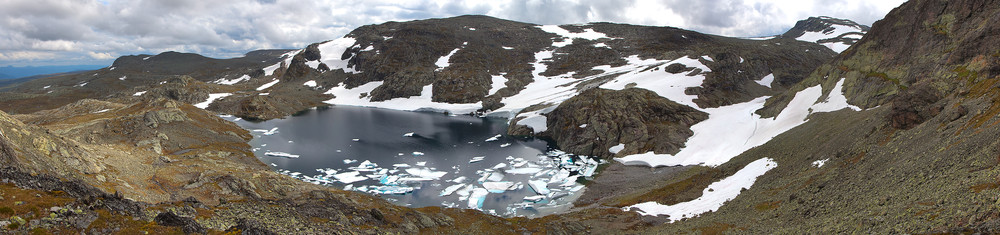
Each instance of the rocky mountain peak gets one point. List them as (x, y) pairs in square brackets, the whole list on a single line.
[(837, 34)]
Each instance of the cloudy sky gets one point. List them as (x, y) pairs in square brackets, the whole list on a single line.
[(63, 32)]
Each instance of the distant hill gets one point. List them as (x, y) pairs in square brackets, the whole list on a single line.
[(10, 72)]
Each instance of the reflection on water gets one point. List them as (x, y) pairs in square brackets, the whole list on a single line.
[(422, 159)]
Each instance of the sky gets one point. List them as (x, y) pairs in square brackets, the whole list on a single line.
[(72, 32)]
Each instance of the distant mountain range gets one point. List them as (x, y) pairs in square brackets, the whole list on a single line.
[(10, 72)]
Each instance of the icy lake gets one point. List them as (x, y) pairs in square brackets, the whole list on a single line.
[(421, 159)]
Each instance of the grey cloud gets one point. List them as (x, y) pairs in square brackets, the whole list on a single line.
[(75, 29)]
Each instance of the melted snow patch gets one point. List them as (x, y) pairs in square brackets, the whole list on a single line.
[(268, 85), (713, 197), (211, 98)]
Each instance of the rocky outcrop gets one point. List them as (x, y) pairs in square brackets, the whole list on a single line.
[(599, 119)]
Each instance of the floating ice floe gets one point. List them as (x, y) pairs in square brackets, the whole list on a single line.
[(349, 161), (426, 173), (504, 145), (410, 134), (281, 154), (451, 189), (477, 197), (498, 187), (494, 138), (418, 153), (272, 131), (349, 177), (476, 159)]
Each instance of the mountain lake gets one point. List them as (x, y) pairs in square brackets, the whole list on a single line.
[(421, 159)]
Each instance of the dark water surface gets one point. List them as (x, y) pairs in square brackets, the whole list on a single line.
[(439, 144)]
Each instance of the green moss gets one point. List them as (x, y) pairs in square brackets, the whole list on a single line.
[(6, 211)]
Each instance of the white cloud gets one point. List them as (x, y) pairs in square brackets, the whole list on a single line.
[(75, 28), (100, 56), (25, 55)]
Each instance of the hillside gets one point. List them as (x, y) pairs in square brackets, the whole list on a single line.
[(710, 134)]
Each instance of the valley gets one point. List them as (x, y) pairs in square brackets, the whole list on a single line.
[(474, 124)]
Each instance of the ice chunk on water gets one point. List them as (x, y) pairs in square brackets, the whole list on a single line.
[(500, 165), (451, 189), (349, 177), (349, 161), (494, 176), (460, 179), (494, 138), (389, 180), (498, 187), (281, 154), (426, 173), (536, 198), (477, 198), (418, 153), (402, 165), (477, 159), (399, 190), (540, 187), (559, 177), (528, 170), (504, 145), (409, 134), (421, 163)]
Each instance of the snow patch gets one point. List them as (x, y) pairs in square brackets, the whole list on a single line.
[(211, 98), (268, 85), (344, 96), (617, 148), (310, 83), (139, 93), (820, 163), (331, 53), (731, 130), (442, 62), (496, 84), (713, 197), (224, 81), (766, 81)]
